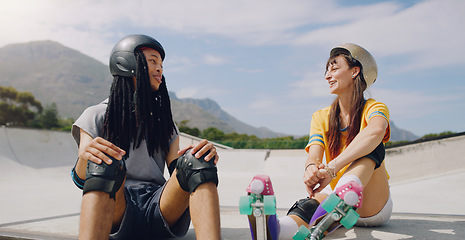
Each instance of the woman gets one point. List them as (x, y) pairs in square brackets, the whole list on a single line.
[(350, 133), (125, 143)]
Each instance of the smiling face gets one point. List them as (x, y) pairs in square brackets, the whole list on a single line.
[(155, 67), (340, 76)]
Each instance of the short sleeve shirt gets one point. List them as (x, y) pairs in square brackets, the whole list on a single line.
[(140, 166), (320, 127)]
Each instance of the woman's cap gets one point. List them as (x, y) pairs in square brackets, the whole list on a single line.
[(369, 67)]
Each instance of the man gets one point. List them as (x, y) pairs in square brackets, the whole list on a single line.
[(124, 144)]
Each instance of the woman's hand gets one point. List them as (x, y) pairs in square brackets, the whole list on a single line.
[(312, 177), (200, 149), (316, 178), (324, 181)]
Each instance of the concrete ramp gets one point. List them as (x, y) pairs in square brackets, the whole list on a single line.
[(37, 148), (39, 200)]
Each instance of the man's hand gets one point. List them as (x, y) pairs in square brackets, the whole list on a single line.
[(200, 149), (97, 149)]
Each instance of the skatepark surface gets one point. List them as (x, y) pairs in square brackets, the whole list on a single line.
[(39, 200)]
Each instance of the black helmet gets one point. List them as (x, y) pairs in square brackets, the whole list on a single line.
[(122, 58)]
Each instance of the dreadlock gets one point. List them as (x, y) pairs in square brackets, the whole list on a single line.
[(119, 124), (355, 112), (133, 115)]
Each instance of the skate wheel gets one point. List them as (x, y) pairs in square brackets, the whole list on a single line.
[(257, 186), (302, 234), (244, 205), (269, 202), (331, 202), (351, 198), (350, 219)]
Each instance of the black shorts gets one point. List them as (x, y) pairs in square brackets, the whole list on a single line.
[(143, 218), (378, 155)]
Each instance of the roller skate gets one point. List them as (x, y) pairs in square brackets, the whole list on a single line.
[(260, 207), (338, 209)]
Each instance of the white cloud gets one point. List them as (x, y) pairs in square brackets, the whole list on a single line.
[(175, 63), (189, 92), (245, 70), (199, 92), (409, 104), (263, 103), (424, 33), (253, 22), (429, 30), (313, 85), (70, 22), (213, 60)]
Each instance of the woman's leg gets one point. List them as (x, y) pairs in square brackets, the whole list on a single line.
[(375, 183), (320, 197)]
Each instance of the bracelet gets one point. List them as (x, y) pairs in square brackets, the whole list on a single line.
[(309, 165), (330, 172)]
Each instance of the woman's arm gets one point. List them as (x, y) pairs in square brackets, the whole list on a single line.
[(363, 144), (312, 174)]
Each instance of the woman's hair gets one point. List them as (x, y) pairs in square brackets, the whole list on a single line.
[(355, 112), (136, 114)]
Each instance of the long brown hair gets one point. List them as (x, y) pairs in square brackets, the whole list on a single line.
[(334, 134)]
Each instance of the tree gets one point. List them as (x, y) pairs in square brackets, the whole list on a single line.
[(17, 108), (182, 126), (49, 117), (212, 134)]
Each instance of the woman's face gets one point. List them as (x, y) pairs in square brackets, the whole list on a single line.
[(155, 67), (340, 76)]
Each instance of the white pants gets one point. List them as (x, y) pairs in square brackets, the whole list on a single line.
[(380, 218)]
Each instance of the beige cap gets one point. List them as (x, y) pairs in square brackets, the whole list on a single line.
[(370, 69)]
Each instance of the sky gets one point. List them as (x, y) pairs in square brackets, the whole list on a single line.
[(263, 61)]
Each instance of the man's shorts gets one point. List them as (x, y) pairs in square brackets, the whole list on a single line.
[(143, 218)]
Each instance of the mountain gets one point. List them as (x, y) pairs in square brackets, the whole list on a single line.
[(226, 122), (54, 73), (398, 134)]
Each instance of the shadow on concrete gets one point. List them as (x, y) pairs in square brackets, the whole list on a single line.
[(409, 227), (401, 226)]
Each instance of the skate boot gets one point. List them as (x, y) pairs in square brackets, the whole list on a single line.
[(338, 209), (260, 207)]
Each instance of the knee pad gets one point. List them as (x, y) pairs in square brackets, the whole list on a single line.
[(304, 208), (191, 172), (377, 155), (105, 178)]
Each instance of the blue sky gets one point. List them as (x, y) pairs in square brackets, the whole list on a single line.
[(263, 60)]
